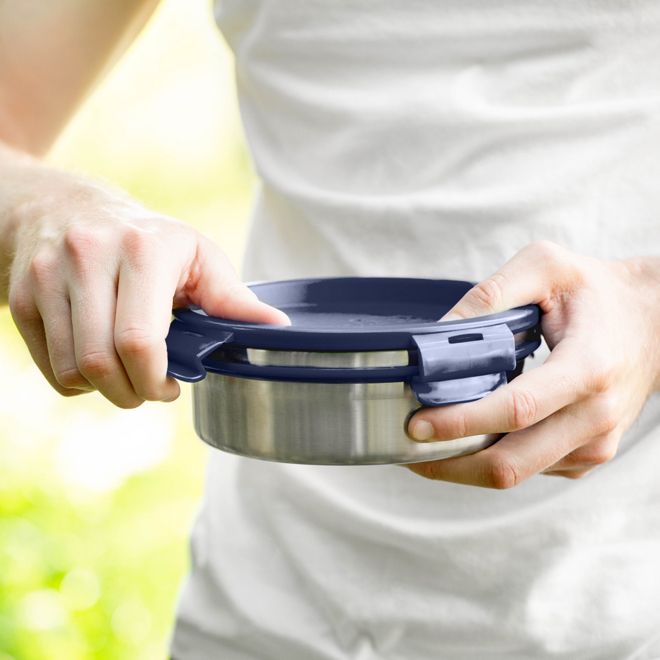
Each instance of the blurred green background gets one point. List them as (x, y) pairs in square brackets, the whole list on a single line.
[(96, 503)]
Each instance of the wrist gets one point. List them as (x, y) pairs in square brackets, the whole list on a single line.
[(644, 272), (14, 173), (25, 185)]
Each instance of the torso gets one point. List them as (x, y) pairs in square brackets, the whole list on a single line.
[(434, 139)]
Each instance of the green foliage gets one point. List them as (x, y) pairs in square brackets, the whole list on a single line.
[(91, 575)]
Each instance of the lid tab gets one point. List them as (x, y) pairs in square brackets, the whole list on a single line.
[(462, 365), (186, 350)]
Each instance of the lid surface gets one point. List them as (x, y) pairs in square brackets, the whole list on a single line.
[(352, 313)]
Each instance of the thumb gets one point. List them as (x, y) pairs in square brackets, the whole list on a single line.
[(528, 277), (485, 297), (219, 291)]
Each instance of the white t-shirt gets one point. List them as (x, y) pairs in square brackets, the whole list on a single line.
[(435, 138)]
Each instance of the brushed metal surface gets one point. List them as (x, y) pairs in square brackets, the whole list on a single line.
[(352, 359), (316, 423), (338, 359)]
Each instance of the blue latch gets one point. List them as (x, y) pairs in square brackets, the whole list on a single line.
[(462, 365), (186, 350)]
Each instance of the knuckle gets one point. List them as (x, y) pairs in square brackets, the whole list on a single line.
[(42, 267), (501, 473), (608, 422), (558, 259), (603, 377), (71, 378), (136, 243), (21, 305), (600, 456), (134, 341), (606, 415), (81, 243), (571, 271), (522, 408), (231, 291), (547, 250), (592, 455), (96, 365), (488, 293), (460, 426)]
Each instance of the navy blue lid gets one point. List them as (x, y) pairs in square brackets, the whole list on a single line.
[(449, 360), (353, 313)]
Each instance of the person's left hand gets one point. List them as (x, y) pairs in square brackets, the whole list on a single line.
[(564, 418)]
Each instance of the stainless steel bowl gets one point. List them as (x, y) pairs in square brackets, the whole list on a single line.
[(318, 423), (338, 386)]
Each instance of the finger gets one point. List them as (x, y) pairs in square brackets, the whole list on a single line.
[(518, 455), (219, 291), (598, 451), (144, 310), (93, 306), (55, 312), (30, 326), (526, 400), (531, 276)]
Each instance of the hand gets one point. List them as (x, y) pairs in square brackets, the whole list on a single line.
[(92, 285), (567, 416)]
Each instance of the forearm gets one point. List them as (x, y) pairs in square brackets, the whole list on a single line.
[(19, 174), (51, 55)]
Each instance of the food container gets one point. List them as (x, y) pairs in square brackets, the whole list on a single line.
[(338, 386)]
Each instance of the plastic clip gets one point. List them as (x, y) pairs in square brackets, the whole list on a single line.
[(187, 349), (462, 365)]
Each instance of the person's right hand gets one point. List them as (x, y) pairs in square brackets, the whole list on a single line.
[(92, 285)]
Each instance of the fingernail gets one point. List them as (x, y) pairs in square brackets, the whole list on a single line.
[(285, 318), (452, 316), (421, 430)]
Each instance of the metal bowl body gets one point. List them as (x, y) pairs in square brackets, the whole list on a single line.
[(337, 386), (318, 423)]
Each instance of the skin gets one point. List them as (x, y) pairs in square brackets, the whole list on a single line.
[(601, 320), (90, 275)]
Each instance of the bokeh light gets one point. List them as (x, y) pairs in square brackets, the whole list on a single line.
[(96, 503)]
